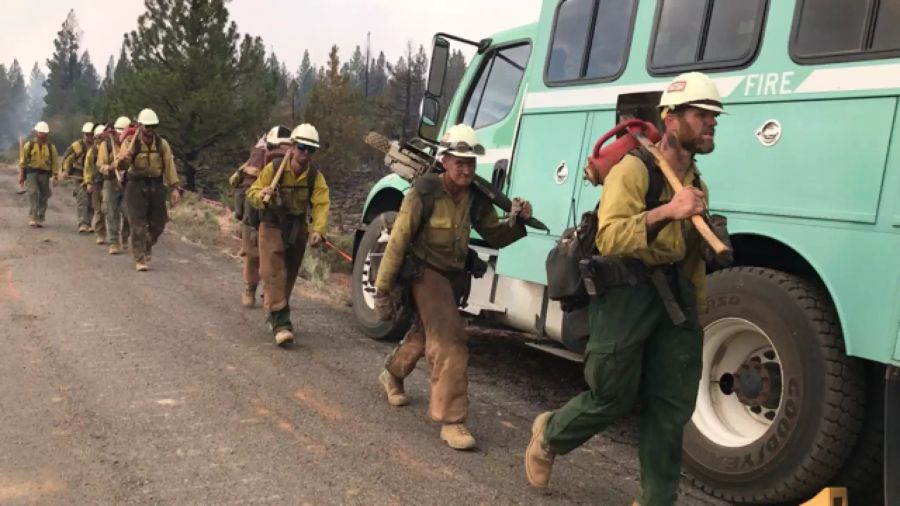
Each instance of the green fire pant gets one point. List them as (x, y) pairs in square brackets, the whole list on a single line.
[(83, 205), (37, 182), (98, 222), (117, 226), (635, 354), (145, 200)]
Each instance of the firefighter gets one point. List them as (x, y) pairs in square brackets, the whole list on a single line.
[(298, 201), (73, 167), (433, 251), (93, 182), (117, 226), (275, 144), (645, 339), (38, 165), (152, 178)]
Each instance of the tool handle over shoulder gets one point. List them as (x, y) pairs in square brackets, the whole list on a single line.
[(699, 223)]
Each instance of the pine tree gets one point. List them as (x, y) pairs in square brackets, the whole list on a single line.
[(87, 85), (335, 110), (18, 93), (306, 80), (354, 70), (65, 70), (36, 94), (5, 106), (191, 66)]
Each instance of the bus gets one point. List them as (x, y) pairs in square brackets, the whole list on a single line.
[(802, 334)]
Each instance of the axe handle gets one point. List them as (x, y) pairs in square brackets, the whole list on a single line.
[(699, 223), (276, 180)]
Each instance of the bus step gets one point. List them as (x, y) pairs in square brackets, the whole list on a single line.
[(556, 350)]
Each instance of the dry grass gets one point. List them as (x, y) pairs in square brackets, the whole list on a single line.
[(197, 220), (205, 223)]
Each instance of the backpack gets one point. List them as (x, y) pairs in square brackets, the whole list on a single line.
[(565, 282), (427, 187)]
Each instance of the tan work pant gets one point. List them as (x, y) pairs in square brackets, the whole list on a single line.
[(250, 254), (279, 265), (99, 219), (439, 334)]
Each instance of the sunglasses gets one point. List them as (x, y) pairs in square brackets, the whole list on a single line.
[(464, 147), (305, 147)]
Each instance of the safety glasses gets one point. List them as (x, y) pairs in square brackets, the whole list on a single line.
[(305, 147), (464, 147)]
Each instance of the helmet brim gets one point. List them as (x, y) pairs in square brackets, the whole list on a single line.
[(461, 154)]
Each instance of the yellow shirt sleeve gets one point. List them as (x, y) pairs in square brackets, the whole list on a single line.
[(407, 220), (170, 175), (622, 219), (320, 202), (89, 167), (254, 193)]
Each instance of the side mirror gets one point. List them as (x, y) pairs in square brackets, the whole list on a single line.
[(437, 73), (498, 177), (429, 121)]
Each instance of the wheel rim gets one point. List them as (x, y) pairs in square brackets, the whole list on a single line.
[(367, 280), (740, 388)]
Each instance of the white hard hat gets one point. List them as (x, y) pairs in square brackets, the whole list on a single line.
[(42, 127), (462, 141), (306, 134), (279, 135), (87, 128), (122, 122), (695, 89), (99, 129), (148, 118)]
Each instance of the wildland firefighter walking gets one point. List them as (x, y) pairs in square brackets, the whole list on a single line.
[(717, 216)]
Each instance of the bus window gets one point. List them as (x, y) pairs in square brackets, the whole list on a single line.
[(498, 85), (579, 52), (609, 43), (704, 34), (569, 39), (834, 30)]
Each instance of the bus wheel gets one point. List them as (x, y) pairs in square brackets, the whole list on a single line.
[(780, 405), (371, 247)]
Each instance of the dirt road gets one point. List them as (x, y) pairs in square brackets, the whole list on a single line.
[(119, 387)]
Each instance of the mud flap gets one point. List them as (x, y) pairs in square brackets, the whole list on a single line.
[(892, 437)]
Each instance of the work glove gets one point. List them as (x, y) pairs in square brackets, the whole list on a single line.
[(520, 208), (384, 306), (719, 226)]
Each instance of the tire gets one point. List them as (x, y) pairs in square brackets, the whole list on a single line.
[(784, 441), (374, 240), (863, 472)]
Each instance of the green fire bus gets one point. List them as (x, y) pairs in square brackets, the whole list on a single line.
[(802, 335)]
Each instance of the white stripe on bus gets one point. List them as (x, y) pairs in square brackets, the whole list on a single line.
[(870, 77), (608, 95)]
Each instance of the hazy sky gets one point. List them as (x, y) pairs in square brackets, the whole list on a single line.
[(28, 27)]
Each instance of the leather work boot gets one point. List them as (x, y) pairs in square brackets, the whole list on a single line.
[(457, 436), (101, 240), (40, 223), (141, 266), (82, 229), (284, 336), (538, 457), (248, 298), (33, 224), (114, 250), (393, 387)]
